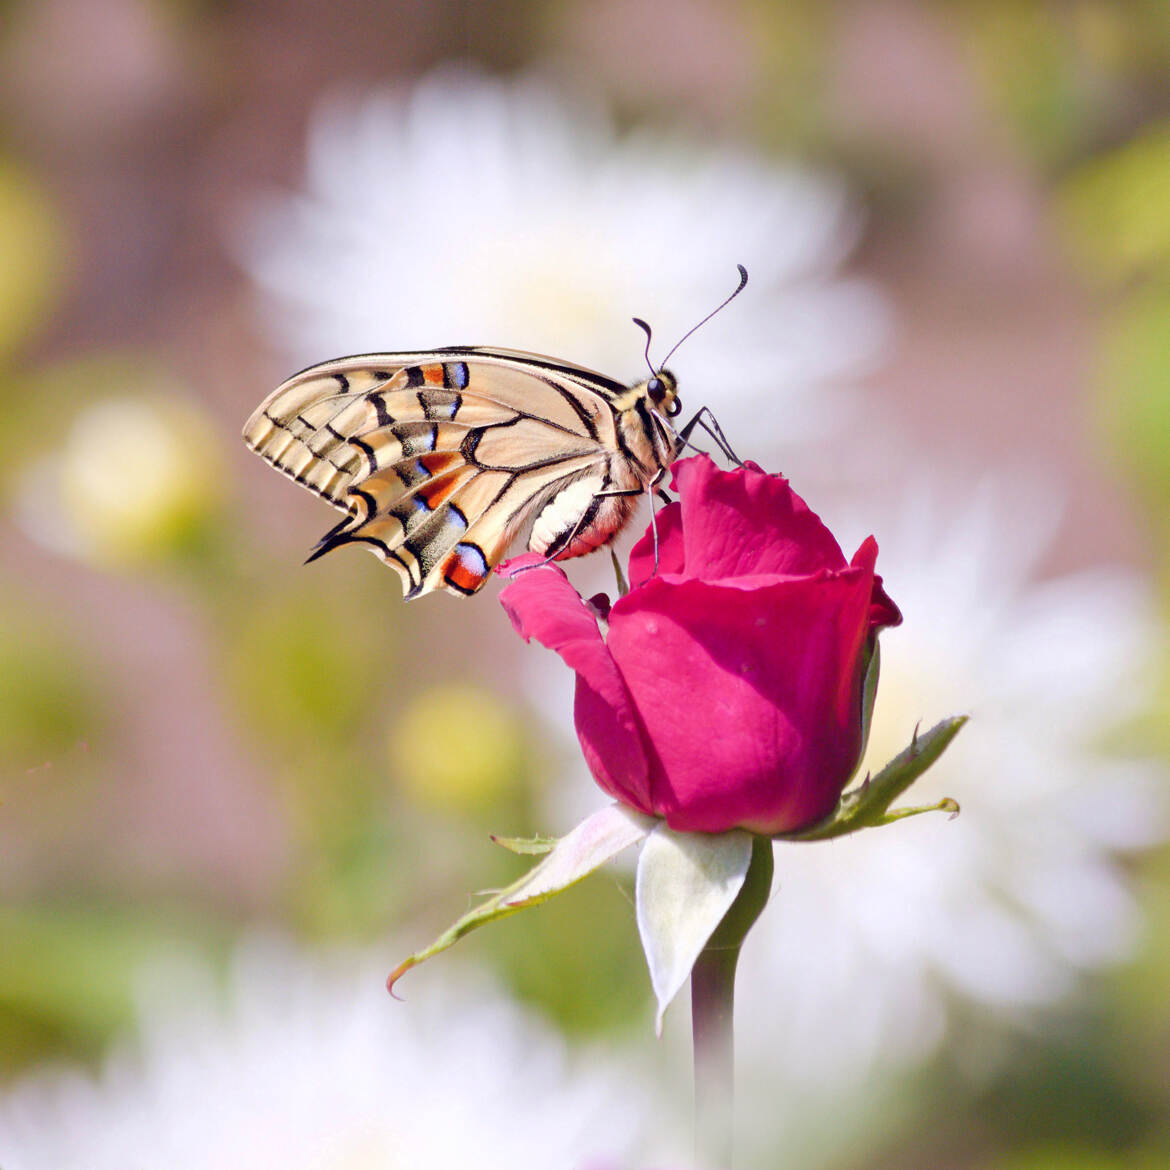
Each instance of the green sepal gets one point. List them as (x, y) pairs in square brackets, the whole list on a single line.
[(868, 805), (686, 884), (873, 670), (593, 842)]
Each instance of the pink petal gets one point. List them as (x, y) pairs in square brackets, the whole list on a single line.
[(882, 610), (750, 698), (745, 521), (671, 547), (543, 605)]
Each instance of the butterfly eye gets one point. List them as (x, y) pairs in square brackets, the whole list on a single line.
[(656, 390), (674, 408)]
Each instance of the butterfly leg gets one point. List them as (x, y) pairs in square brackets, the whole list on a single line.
[(713, 429), (651, 490)]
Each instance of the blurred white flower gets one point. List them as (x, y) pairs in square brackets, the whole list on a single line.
[(473, 211), (872, 942), (309, 1065)]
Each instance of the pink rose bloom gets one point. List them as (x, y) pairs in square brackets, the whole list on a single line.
[(725, 689)]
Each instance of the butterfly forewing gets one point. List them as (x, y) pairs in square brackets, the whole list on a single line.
[(440, 459)]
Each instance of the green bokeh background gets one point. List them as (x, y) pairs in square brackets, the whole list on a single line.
[(317, 688)]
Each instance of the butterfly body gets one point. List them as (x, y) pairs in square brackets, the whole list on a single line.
[(441, 459)]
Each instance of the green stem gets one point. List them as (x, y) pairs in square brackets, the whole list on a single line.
[(712, 1009)]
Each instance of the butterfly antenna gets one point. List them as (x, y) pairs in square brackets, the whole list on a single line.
[(646, 329), (743, 279)]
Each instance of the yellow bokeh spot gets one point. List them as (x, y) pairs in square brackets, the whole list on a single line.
[(133, 479), (34, 257), (136, 477), (457, 749), (1114, 208)]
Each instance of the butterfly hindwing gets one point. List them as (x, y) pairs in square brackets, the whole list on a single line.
[(440, 459)]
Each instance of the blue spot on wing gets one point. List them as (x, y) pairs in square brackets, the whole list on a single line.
[(472, 559)]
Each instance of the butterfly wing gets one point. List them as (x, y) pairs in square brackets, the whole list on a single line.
[(439, 459)]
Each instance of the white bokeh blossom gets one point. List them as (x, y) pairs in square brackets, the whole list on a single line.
[(305, 1063), (475, 211), (875, 945)]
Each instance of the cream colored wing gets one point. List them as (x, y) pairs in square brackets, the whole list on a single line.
[(441, 458)]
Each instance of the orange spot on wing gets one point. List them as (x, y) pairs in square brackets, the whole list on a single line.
[(465, 569), (433, 374), (462, 578), (435, 491), (439, 461)]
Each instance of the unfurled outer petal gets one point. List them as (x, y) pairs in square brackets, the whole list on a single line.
[(543, 605), (882, 610), (750, 694)]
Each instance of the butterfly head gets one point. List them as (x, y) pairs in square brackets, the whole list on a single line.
[(661, 388), (662, 391)]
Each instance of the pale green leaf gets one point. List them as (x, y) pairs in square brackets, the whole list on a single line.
[(593, 842)]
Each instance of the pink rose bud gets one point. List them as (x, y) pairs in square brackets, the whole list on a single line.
[(727, 690)]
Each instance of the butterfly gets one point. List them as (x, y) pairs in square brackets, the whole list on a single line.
[(442, 458)]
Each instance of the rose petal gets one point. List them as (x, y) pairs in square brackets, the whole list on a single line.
[(543, 605), (514, 565), (882, 610), (671, 548), (746, 521), (777, 730)]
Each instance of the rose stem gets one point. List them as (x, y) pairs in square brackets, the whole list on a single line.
[(712, 1008)]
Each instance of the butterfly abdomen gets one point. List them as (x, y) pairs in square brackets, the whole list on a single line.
[(578, 520)]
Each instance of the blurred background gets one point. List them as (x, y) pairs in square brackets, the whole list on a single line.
[(957, 336)]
